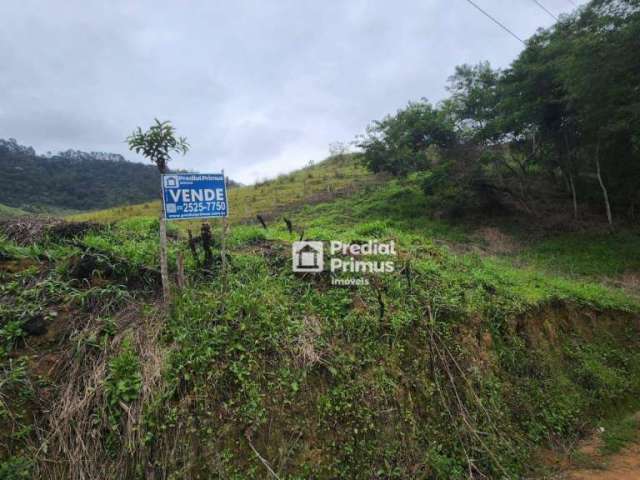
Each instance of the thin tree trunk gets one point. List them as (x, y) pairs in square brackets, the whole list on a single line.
[(573, 196), (572, 184), (605, 194), (164, 268), (180, 273), (565, 179)]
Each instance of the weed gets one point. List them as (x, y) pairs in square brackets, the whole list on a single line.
[(454, 365), (15, 468), (10, 333), (619, 432), (123, 381)]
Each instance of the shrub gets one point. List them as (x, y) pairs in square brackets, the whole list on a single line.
[(124, 380)]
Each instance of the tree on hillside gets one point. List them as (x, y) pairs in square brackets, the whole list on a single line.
[(602, 77), (474, 101), (478, 107), (577, 85), (398, 144), (535, 119), (562, 121), (157, 143)]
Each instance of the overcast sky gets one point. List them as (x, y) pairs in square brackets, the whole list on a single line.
[(257, 87)]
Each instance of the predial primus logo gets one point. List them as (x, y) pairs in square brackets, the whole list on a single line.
[(344, 258), (307, 256)]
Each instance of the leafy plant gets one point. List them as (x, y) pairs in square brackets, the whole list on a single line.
[(15, 468), (157, 143), (124, 381)]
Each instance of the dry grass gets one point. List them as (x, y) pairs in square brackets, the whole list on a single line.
[(30, 230), (316, 183), (495, 242), (306, 349), (76, 426), (629, 281)]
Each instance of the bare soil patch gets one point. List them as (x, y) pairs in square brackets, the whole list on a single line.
[(590, 464)]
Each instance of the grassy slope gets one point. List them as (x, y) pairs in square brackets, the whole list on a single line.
[(7, 212), (337, 176), (391, 380), (587, 254)]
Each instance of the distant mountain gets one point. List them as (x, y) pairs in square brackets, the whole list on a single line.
[(80, 155), (72, 180)]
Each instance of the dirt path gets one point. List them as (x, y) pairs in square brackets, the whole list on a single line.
[(590, 464), (624, 465)]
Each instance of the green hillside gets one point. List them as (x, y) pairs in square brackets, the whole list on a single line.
[(467, 305), (466, 357), (72, 181), (9, 211), (338, 176)]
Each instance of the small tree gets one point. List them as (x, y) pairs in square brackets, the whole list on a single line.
[(157, 143), (398, 143)]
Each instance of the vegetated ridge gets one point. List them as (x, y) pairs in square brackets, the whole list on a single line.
[(72, 180), (507, 331), (453, 363), (10, 211), (339, 176)]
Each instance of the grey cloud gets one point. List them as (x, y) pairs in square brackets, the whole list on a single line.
[(258, 87)]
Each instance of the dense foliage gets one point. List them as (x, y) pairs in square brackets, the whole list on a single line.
[(399, 143), (158, 143), (562, 121), (450, 364), (72, 180)]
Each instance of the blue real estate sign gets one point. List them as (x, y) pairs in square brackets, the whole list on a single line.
[(194, 195)]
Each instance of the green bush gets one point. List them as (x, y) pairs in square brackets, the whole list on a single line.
[(124, 381), (15, 468)]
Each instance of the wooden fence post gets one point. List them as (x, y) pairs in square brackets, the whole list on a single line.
[(223, 250), (180, 274), (164, 268)]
